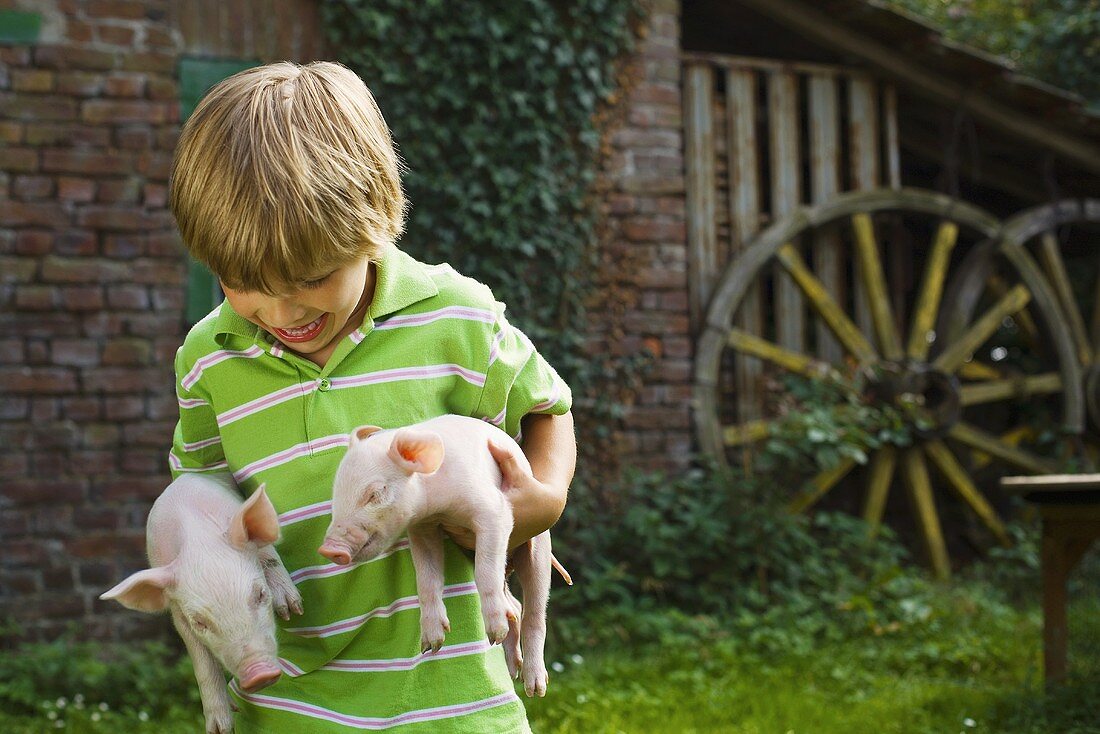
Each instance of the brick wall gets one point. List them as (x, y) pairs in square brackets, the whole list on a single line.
[(645, 251), (91, 296)]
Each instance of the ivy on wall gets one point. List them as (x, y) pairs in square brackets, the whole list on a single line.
[(496, 109)]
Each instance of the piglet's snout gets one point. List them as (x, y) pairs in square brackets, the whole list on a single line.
[(335, 553), (258, 675)]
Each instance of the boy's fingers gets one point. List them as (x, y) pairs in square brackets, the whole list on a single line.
[(507, 461)]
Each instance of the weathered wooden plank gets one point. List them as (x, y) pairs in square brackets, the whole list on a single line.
[(1050, 253), (825, 152), (863, 163), (786, 171), (744, 205), (701, 188), (893, 137), (758, 64)]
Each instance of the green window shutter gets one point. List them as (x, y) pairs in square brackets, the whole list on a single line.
[(17, 26), (197, 76)]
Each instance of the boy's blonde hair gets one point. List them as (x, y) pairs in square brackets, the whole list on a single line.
[(284, 173)]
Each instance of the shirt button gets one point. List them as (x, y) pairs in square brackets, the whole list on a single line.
[(324, 384)]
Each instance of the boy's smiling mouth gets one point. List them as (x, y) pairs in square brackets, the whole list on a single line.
[(305, 333)]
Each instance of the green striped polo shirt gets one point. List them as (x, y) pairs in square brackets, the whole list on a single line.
[(432, 342)]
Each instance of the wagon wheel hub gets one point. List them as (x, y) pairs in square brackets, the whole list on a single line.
[(929, 398)]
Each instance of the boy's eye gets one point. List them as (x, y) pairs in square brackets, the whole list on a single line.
[(315, 283)]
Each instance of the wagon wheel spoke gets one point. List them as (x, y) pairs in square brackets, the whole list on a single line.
[(982, 329), (878, 486), (915, 471), (928, 302), (1051, 255), (874, 283), (1095, 329), (979, 459), (749, 432), (846, 332), (960, 481), (819, 486), (976, 438), (975, 370), (788, 359), (998, 287), (993, 390)]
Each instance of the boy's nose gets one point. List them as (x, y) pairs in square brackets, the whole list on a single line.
[(283, 314)]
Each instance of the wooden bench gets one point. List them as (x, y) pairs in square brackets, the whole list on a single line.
[(1069, 505)]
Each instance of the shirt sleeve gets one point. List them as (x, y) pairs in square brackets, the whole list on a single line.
[(197, 443), (518, 381)]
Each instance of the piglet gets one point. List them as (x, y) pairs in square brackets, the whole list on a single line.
[(393, 481), (215, 569)]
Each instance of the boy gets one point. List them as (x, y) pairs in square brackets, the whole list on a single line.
[(287, 186)]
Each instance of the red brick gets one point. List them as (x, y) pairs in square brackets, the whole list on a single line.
[(36, 297), (147, 433), (42, 491), (76, 242), (82, 408), (43, 381), (128, 352), (82, 298), (124, 245), (11, 351), (102, 111), (78, 30), (118, 380), (119, 191), (116, 35), (102, 324), (13, 408), (109, 545), (38, 351), (132, 297), (116, 9), (162, 89), (44, 410), (159, 38), (122, 408), (88, 162), (163, 407), (134, 138), (32, 80), (75, 352), (155, 165), (54, 134), (126, 85), (149, 463), (167, 137), (75, 189), (165, 244), (155, 196), (81, 83), (83, 270), (11, 132), (18, 160), (17, 269), (91, 461), (32, 187), (121, 218), (37, 107), (158, 272), (15, 55), (150, 62), (72, 57), (168, 299), (34, 242), (99, 435)]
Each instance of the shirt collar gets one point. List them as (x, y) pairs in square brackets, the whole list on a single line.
[(402, 281)]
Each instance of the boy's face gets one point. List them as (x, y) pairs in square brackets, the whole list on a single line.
[(311, 316)]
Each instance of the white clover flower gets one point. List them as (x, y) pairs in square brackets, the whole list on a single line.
[(576, 659), (61, 703), (78, 698), (142, 716), (51, 715), (103, 706), (969, 722), (557, 667), (96, 716), (582, 698), (59, 724)]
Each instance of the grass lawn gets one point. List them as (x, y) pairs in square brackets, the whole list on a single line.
[(974, 669)]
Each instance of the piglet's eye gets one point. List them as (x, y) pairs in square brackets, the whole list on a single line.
[(200, 624)]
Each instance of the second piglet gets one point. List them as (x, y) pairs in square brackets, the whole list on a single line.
[(441, 472)]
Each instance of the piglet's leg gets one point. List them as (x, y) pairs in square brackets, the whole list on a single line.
[(284, 594), (216, 706), (490, 551), (533, 571), (512, 653), (426, 547)]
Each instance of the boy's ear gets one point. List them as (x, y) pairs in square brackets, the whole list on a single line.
[(363, 432), (144, 591), (256, 521), (417, 451)]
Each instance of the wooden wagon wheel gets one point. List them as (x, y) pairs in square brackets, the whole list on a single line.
[(1061, 238), (916, 360)]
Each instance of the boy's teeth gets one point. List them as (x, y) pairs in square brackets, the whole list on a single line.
[(302, 329)]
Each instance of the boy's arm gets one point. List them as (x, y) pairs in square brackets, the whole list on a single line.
[(551, 447)]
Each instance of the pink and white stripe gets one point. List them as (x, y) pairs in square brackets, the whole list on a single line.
[(498, 419), (290, 668), (266, 401), (175, 463), (375, 723), (277, 349), (550, 402), (212, 441), (328, 570), (305, 513), (303, 449), (214, 358), (190, 402), (379, 666), (358, 336), (450, 312), (426, 372), (494, 348), (399, 605)]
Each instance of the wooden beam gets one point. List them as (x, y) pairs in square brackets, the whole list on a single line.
[(820, 27)]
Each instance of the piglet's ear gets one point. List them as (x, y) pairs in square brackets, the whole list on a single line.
[(144, 590), (256, 521), (363, 432), (417, 451)]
